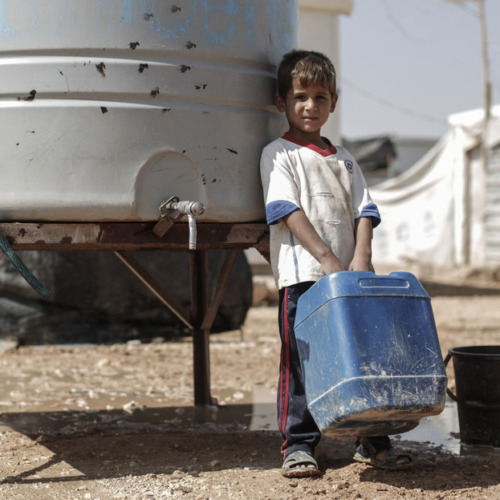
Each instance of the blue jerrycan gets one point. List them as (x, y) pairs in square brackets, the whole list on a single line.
[(370, 354)]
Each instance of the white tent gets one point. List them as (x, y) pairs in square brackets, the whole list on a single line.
[(444, 210)]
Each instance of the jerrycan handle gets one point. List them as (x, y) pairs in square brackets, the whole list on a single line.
[(383, 282), (472, 404)]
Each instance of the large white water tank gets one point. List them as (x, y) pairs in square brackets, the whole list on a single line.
[(110, 107)]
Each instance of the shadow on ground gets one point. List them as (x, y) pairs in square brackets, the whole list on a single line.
[(96, 445), (107, 444)]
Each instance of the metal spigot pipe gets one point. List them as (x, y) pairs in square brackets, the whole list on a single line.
[(173, 210), (193, 208), (192, 232)]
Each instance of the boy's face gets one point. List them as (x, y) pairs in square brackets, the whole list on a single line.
[(307, 109)]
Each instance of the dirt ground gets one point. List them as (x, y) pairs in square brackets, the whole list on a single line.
[(117, 421)]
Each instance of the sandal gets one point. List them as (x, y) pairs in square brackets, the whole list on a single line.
[(367, 454), (300, 464)]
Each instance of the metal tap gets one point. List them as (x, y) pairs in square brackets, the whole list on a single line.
[(172, 210)]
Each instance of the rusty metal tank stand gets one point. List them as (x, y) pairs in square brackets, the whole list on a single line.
[(123, 238), (202, 313), (201, 334)]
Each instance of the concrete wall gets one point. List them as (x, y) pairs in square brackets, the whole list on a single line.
[(319, 30)]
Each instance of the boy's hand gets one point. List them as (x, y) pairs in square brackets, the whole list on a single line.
[(331, 264), (361, 264)]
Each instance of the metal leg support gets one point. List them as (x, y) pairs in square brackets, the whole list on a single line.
[(202, 312), (201, 336)]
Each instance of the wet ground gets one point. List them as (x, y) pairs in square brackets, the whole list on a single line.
[(256, 411)]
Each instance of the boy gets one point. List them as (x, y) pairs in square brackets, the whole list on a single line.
[(321, 219)]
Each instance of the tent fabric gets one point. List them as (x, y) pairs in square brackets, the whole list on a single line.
[(424, 210)]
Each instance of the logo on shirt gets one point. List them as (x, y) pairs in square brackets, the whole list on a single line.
[(348, 165)]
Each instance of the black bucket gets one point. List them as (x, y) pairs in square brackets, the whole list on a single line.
[(477, 380)]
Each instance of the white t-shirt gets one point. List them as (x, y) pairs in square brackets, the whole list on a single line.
[(328, 186)]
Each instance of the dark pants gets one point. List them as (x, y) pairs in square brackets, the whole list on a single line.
[(297, 427)]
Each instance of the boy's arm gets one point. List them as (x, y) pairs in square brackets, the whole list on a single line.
[(362, 260), (304, 231)]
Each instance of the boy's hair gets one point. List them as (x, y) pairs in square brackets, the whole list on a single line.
[(309, 68)]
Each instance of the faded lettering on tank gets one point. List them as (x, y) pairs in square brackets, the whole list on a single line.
[(5, 30), (216, 21)]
